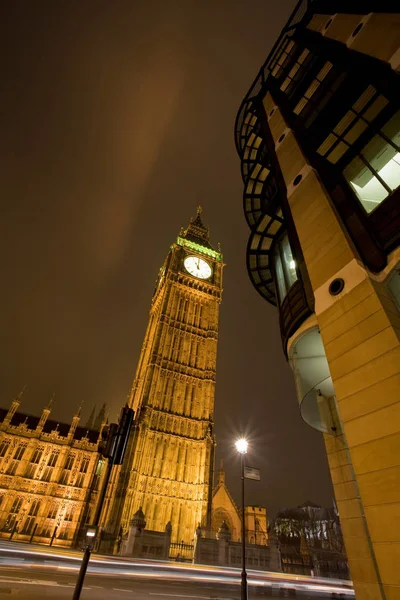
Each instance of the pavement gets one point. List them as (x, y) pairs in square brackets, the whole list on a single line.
[(34, 573)]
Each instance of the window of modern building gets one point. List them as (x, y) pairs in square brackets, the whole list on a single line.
[(297, 72), (371, 163), (285, 266), (319, 93), (283, 57), (375, 173)]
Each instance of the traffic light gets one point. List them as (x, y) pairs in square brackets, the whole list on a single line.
[(124, 429), (107, 440)]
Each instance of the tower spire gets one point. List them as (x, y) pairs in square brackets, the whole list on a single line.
[(196, 231)]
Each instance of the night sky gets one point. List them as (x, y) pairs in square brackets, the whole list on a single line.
[(116, 120)]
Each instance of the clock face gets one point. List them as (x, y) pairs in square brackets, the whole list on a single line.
[(197, 267)]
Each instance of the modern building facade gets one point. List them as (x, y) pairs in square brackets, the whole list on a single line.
[(167, 470), (318, 135), (50, 474)]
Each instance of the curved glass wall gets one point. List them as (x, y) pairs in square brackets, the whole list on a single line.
[(285, 266), (314, 387)]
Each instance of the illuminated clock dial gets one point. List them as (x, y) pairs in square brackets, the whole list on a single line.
[(197, 267)]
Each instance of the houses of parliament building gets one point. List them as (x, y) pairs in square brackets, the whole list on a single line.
[(50, 473)]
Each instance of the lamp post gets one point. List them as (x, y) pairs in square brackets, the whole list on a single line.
[(241, 447)]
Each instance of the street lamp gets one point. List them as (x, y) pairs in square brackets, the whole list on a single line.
[(241, 446)]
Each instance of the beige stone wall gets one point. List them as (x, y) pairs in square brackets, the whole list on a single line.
[(168, 466), (45, 497), (376, 34), (360, 330)]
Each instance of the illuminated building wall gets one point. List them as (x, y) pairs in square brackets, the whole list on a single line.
[(49, 476), (318, 135), (168, 467)]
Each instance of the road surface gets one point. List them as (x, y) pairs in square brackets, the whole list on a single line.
[(36, 572)]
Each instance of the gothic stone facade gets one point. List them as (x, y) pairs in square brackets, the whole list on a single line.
[(49, 476), (168, 467)]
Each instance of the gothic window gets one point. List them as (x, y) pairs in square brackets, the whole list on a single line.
[(63, 531), (53, 510), (69, 462), (84, 464), (285, 267), (4, 446), (79, 480), (52, 461), (37, 455), (18, 454), (12, 516), (66, 473), (69, 512), (30, 519), (35, 460)]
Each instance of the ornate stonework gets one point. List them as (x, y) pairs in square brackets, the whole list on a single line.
[(49, 476), (168, 467)]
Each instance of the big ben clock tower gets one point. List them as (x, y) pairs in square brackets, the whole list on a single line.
[(168, 467)]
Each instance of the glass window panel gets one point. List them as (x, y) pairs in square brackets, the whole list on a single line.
[(327, 144), (392, 129), (355, 132), (279, 276), (254, 242), (288, 262), (384, 159), (300, 106), (345, 122), (274, 227), (367, 187), (337, 152), (375, 108), (364, 98), (266, 243), (263, 224), (311, 90)]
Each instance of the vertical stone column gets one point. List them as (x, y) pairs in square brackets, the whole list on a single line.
[(360, 329)]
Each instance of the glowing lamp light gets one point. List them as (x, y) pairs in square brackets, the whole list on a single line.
[(292, 264), (91, 532), (241, 445)]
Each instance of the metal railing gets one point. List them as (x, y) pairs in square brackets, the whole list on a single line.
[(298, 14), (181, 552)]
